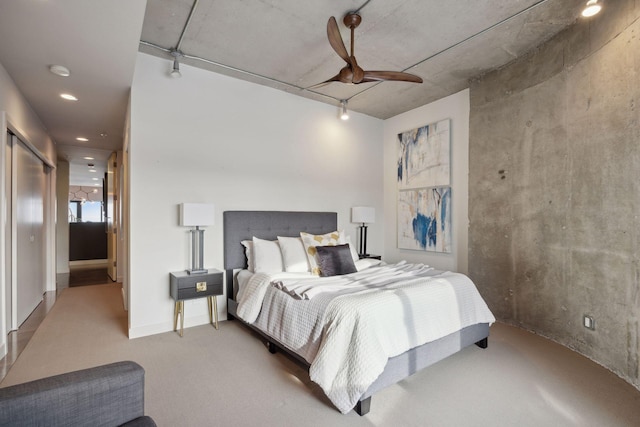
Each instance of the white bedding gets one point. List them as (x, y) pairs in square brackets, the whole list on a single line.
[(348, 329), (375, 277)]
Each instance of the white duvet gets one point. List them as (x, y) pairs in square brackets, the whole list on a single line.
[(371, 319)]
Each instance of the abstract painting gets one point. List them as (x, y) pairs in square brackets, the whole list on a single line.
[(424, 219), (424, 156)]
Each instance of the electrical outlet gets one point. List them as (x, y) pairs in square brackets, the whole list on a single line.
[(589, 322), (201, 286)]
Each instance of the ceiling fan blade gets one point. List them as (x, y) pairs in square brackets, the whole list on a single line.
[(358, 73), (335, 39), (335, 78), (391, 75)]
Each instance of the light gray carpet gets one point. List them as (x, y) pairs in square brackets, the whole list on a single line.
[(228, 378)]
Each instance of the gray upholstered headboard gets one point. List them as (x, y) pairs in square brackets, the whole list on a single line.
[(243, 225)]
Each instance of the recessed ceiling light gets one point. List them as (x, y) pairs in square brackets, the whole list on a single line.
[(97, 185), (93, 170), (83, 139), (68, 97), (88, 158), (103, 134), (591, 9), (60, 70), (95, 179), (95, 190)]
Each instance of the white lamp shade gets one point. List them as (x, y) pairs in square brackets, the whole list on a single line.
[(196, 214), (363, 214)]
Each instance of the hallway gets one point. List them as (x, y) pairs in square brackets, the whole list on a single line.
[(83, 276), (18, 340)]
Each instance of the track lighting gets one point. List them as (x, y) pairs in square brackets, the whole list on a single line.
[(591, 9), (344, 114), (175, 72)]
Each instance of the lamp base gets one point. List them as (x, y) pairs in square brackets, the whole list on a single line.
[(196, 271), (362, 250)]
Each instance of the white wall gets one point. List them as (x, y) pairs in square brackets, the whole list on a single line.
[(242, 146), (24, 121), (456, 108), (123, 227), (62, 217)]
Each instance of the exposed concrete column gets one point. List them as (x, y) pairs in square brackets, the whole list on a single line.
[(554, 181)]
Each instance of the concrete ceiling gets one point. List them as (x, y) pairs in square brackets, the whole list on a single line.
[(444, 42), (278, 43)]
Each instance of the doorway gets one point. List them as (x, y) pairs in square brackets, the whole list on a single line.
[(92, 220), (87, 238)]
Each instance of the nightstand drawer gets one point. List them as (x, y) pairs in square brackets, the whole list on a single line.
[(187, 286)]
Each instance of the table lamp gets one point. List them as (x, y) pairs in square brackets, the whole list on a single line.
[(196, 215), (363, 215)]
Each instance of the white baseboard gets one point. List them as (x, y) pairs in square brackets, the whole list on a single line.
[(163, 327)]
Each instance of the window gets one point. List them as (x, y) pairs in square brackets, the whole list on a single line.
[(74, 207), (92, 212), (86, 211)]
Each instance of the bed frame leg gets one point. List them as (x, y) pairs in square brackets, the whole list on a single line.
[(363, 406), (272, 347), (483, 343)]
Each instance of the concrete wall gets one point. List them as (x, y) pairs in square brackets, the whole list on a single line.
[(555, 188), (208, 138), (456, 108)]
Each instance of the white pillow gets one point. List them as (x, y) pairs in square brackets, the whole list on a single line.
[(293, 254), (248, 252), (310, 242), (361, 264), (267, 257), (347, 239)]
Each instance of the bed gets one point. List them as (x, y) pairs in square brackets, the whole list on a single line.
[(268, 225)]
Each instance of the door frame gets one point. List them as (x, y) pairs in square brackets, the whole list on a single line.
[(111, 200), (48, 224), (6, 227)]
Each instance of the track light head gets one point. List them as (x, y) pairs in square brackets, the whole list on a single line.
[(344, 114), (175, 72)]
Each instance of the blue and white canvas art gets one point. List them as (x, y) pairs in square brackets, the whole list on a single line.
[(424, 219), (424, 156)]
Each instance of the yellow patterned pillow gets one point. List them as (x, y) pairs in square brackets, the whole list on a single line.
[(310, 242)]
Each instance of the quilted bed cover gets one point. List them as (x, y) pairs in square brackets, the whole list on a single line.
[(349, 326)]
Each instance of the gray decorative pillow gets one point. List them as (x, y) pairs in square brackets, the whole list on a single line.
[(335, 260)]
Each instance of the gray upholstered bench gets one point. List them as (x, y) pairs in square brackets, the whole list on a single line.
[(109, 395)]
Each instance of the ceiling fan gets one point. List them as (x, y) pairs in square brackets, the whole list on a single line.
[(352, 73)]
